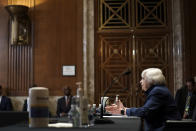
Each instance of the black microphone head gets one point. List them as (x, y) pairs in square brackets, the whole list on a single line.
[(125, 89), (127, 72)]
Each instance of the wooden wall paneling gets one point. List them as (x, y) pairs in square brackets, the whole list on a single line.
[(186, 46), (192, 37), (79, 40), (58, 42), (47, 43), (188, 7), (20, 61), (19, 71), (189, 64), (3, 44)]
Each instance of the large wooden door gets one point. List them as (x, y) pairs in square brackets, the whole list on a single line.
[(135, 35)]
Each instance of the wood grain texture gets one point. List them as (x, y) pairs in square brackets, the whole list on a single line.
[(3, 44), (58, 42), (189, 38), (145, 43)]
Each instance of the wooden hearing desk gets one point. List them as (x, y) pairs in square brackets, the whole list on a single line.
[(121, 123)]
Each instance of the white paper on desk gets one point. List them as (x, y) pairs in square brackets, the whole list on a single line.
[(60, 125), (121, 116), (116, 116)]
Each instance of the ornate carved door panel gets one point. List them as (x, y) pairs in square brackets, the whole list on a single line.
[(151, 51), (115, 57), (130, 34)]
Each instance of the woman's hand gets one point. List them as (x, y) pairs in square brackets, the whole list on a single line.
[(120, 104), (115, 108)]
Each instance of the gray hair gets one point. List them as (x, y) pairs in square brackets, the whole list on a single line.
[(154, 76)]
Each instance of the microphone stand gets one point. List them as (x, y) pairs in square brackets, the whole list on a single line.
[(106, 91), (102, 120)]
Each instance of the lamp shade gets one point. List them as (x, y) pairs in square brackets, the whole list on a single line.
[(20, 25), (17, 9)]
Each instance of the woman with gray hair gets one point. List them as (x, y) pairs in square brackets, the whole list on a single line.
[(159, 105)]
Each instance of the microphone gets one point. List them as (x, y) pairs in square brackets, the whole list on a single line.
[(102, 120), (127, 72), (124, 89)]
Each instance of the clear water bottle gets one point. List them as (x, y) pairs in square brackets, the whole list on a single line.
[(91, 115), (117, 101), (94, 109), (99, 108), (74, 114)]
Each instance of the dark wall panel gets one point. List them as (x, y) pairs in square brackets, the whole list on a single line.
[(192, 35), (189, 41), (3, 44)]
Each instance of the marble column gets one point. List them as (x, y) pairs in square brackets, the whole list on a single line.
[(88, 49), (177, 43)]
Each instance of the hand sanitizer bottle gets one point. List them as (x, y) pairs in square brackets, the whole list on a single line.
[(74, 114)]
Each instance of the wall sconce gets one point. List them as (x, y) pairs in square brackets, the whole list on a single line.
[(19, 25)]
